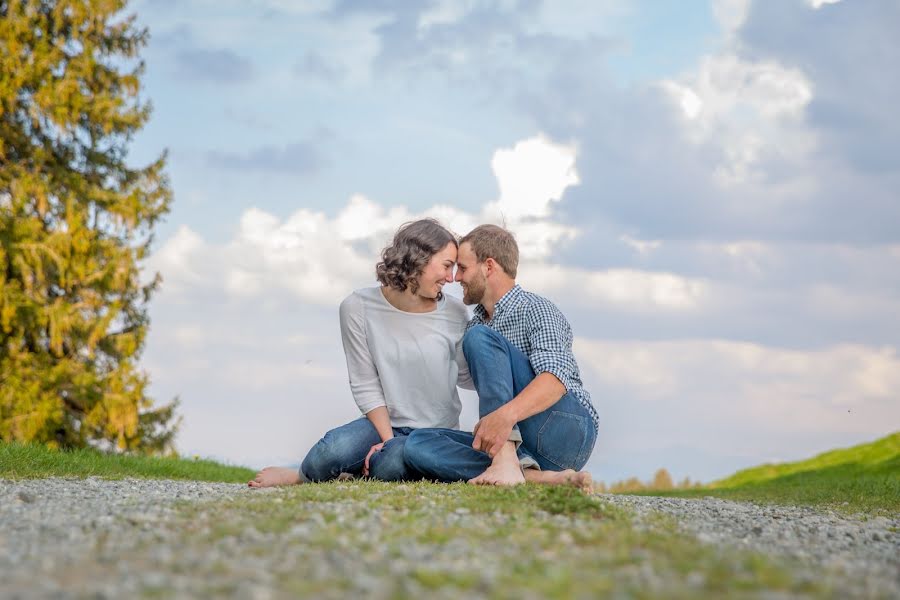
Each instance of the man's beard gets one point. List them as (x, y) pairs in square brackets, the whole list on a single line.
[(474, 291)]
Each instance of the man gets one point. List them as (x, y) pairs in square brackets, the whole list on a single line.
[(537, 422)]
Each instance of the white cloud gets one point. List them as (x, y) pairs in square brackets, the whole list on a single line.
[(725, 84), (625, 289), (747, 109), (532, 175), (444, 12), (731, 14), (728, 385), (577, 19), (642, 247), (319, 259), (817, 4)]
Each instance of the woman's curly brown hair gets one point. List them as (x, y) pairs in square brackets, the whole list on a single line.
[(414, 244)]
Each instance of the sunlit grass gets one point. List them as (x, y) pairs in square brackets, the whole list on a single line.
[(25, 461), (863, 478)]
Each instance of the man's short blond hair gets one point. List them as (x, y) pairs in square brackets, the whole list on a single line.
[(492, 241)]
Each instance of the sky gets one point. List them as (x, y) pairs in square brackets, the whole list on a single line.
[(707, 189)]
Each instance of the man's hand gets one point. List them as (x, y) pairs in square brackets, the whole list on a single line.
[(492, 432), (372, 450)]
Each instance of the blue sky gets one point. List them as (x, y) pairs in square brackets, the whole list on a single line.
[(707, 189)]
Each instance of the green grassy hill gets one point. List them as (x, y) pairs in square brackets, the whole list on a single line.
[(22, 461), (861, 478)]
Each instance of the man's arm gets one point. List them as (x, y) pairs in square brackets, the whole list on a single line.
[(550, 337), (493, 430)]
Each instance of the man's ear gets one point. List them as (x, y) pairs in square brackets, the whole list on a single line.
[(491, 265)]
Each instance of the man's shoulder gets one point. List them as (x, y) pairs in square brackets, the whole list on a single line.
[(530, 300)]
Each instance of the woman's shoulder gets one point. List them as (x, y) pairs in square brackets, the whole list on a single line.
[(357, 299), (455, 307)]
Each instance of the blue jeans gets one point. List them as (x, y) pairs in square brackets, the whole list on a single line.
[(561, 437), (344, 449)]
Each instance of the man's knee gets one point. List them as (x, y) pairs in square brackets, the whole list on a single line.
[(477, 336), (416, 450)]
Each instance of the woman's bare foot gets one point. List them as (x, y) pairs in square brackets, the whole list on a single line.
[(504, 470), (272, 476), (579, 479)]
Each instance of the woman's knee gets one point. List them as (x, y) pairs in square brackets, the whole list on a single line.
[(389, 464), (319, 462), (337, 451)]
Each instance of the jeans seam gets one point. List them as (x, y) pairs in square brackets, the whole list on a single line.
[(588, 448)]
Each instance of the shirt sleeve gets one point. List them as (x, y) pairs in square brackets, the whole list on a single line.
[(464, 379), (550, 338), (365, 385)]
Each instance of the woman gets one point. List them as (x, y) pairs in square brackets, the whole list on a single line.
[(402, 341)]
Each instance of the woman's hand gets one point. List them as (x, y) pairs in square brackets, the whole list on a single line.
[(372, 450)]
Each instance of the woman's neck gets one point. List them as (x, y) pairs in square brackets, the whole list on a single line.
[(407, 301)]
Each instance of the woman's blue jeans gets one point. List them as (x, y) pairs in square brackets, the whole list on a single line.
[(561, 437), (344, 449)]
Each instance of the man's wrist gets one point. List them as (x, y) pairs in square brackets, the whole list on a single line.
[(509, 412)]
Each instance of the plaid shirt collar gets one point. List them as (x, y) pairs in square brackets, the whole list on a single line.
[(508, 299)]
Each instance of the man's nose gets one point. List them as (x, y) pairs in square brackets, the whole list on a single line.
[(457, 276)]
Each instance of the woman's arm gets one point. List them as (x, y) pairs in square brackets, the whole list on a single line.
[(382, 422), (365, 385), (464, 378)]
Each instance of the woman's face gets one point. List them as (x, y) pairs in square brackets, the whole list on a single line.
[(437, 272)]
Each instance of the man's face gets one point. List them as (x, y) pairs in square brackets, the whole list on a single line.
[(470, 275)]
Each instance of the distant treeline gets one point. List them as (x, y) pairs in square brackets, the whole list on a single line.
[(662, 480)]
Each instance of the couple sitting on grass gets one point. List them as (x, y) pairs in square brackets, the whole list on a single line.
[(408, 347)]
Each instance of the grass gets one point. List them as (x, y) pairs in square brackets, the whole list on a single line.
[(24, 461), (863, 478), (422, 539)]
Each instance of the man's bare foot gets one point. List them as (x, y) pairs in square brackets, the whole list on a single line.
[(579, 479), (272, 476), (504, 470)]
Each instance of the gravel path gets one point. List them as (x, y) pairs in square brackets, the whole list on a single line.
[(49, 527), (865, 546), (65, 538)]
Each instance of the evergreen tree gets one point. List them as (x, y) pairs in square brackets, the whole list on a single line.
[(76, 219)]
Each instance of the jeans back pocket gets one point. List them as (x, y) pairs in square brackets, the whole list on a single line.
[(564, 440)]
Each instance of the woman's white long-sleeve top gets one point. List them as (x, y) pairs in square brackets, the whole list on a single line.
[(409, 362)]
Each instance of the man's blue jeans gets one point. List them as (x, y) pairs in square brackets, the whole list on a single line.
[(344, 449), (561, 437)]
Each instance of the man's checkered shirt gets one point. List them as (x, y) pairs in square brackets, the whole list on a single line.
[(535, 326)]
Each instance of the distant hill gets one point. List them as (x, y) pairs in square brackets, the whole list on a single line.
[(881, 456), (861, 478)]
